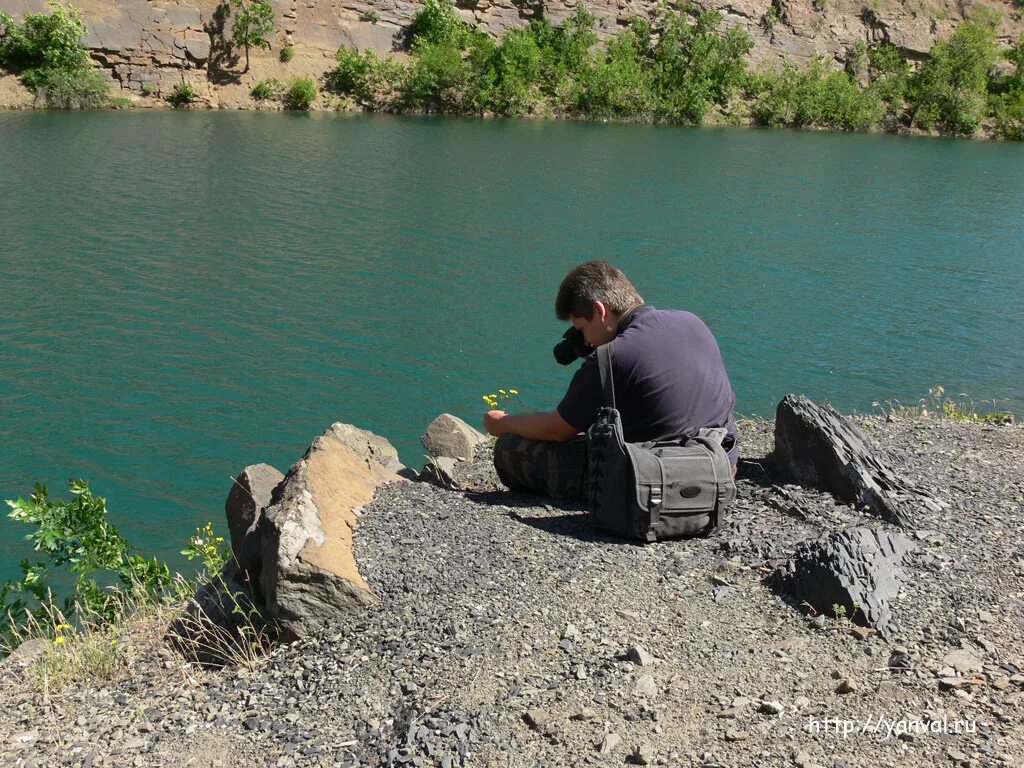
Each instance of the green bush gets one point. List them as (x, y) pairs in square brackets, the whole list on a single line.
[(182, 95), (437, 23), (287, 53), (44, 41), (300, 94), (72, 89), (817, 97), (621, 83), (436, 78), (949, 91), (271, 88), (374, 83), (78, 535), (1007, 101), (889, 74), (696, 66), (46, 51), (110, 580), (370, 16), (516, 63)]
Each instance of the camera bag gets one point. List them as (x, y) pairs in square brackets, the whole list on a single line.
[(657, 490)]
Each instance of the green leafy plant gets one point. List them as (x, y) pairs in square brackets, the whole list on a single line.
[(207, 547), (949, 91), (270, 88), (287, 53), (76, 534), (300, 94), (182, 95), (370, 16), (46, 51), (121, 102), (253, 25)]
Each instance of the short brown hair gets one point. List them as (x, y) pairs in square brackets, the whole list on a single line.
[(594, 281)]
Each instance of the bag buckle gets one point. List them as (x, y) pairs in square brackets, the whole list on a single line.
[(656, 496)]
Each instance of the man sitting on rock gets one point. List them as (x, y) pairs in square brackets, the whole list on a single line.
[(669, 378)]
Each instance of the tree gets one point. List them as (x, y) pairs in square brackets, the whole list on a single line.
[(254, 23)]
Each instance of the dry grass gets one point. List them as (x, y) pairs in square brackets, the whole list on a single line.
[(940, 405)]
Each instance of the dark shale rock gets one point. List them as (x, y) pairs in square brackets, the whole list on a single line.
[(858, 569), (819, 447), (249, 496)]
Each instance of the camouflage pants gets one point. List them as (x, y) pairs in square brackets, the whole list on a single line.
[(542, 466)]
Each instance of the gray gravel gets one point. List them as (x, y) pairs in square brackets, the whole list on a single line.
[(509, 634)]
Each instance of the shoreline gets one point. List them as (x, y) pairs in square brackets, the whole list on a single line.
[(506, 631)]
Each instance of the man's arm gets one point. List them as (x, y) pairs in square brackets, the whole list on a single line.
[(535, 426)]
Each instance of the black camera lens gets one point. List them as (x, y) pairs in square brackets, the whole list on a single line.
[(571, 347)]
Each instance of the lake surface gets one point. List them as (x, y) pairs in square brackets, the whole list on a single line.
[(188, 293)]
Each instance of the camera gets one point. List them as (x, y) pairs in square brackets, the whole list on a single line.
[(571, 347)]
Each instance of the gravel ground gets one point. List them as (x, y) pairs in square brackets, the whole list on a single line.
[(509, 635)]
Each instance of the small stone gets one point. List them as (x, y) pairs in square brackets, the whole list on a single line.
[(771, 707), (1001, 683), (735, 735), (847, 685), (801, 701), (645, 686), (609, 742), (986, 617), (804, 760), (820, 621), (861, 633), (409, 687), (638, 655), (536, 718), (584, 714), (963, 661)]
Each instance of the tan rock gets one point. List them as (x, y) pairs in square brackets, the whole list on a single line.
[(309, 573)]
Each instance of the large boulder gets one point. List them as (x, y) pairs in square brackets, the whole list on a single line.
[(450, 437), (818, 447), (249, 496), (859, 569), (308, 571)]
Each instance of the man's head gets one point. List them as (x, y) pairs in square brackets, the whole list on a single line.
[(594, 295)]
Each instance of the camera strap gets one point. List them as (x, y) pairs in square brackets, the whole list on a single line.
[(604, 366)]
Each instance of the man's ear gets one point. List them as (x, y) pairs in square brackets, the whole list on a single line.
[(600, 310)]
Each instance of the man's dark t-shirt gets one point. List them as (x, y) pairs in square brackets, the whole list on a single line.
[(669, 379)]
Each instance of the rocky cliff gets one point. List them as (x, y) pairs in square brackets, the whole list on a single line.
[(148, 46)]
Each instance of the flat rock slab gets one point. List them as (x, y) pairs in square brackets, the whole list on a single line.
[(858, 569), (820, 448)]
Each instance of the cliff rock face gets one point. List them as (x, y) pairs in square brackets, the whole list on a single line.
[(148, 47)]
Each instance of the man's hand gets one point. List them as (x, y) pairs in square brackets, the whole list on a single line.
[(492, 422), (535, 426)]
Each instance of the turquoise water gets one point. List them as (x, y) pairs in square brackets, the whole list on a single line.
[(187, 293)]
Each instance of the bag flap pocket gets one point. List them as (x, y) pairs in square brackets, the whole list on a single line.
[(679, 479)]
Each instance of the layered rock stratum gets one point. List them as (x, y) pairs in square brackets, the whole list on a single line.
[(147, 48)]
